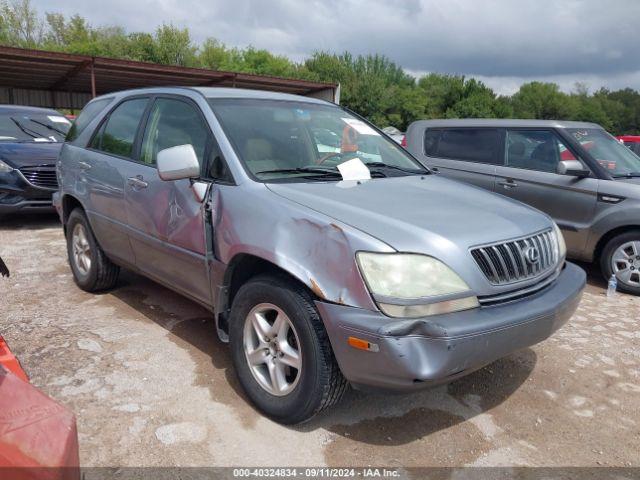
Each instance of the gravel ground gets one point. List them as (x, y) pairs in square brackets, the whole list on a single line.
[(152, 386)]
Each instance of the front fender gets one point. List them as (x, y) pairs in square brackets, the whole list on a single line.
[(312, 247)]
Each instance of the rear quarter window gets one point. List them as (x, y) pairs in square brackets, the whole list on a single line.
[(466, 144), (431, 138), (87, 114)]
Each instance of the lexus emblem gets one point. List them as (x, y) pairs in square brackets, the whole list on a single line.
[(531, 254)]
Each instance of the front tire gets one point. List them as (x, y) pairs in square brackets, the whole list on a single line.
[(92, 270), (621, 256), (281, 351)]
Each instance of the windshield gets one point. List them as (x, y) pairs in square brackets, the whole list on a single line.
[(608, 151), (33, 127), (288, 141)]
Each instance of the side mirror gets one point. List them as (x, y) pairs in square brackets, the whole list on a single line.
[(178, 162), (573, 168)]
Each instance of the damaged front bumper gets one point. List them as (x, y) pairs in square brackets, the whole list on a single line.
[(415, 353)]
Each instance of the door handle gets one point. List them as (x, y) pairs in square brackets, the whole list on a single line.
[(137, 182), (435, 170), (509, 183), (84, 165)]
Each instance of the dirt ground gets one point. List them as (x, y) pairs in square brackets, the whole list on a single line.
[(152, 386)]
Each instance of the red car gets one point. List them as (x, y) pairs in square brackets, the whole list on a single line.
[(631, 141)]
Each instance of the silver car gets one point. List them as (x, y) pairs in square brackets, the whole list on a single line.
[(323, 265), (584, 178)]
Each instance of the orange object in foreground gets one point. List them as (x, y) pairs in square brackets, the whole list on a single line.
[(38, 437), (10, 362)]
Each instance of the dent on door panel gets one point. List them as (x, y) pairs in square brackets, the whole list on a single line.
[(167, 233)]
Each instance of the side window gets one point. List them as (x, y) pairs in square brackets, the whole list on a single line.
[(117, 135), (431, 138), (87, 114), (470, 144), (539, 150), (171, 123)]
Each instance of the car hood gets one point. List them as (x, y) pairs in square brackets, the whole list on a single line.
[(429, 214), (29, 154)]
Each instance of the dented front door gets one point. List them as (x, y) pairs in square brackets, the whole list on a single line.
[(167, 232), (166, 219)]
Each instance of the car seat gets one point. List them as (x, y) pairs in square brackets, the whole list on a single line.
[(545, 157), (515, 157)]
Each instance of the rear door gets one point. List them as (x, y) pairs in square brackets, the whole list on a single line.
[(102, 169), (466, 154), (166, 220), (529, 175)]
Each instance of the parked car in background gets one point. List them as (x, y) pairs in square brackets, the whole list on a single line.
[(394, 133), (30, 140), (631, 141), (584, 178), (321, 267)]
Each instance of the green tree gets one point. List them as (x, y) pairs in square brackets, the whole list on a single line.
[(478, 101), (20, 25), (214, 55), (541, 100), (173, 46), (623, 107), (140, 46), (589, 108)]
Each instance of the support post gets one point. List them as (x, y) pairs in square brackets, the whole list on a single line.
[(93, 79)]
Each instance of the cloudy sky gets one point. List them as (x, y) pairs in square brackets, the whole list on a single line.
[(502, 42)]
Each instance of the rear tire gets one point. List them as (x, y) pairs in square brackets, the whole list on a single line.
[(92, 270), (621, 255), (304, 391)]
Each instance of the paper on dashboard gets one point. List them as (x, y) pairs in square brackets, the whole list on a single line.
[(354, 169)]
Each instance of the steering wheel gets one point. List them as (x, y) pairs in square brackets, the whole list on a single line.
[(326, 157)]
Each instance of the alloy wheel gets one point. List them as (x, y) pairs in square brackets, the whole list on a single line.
[(272, 349), (625, 263), (81, 249)]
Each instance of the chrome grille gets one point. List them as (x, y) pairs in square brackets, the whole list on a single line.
[(513, 261), (43, 176)]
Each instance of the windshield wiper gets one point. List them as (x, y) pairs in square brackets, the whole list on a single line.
[(48, 126), (395, 167), (627, 175), (26, 130), (317, 171)]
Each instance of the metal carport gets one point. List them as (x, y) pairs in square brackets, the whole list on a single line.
[(63, 80)]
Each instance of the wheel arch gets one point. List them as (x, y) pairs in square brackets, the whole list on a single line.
[(607, 236), (241, 269), (69, 203)]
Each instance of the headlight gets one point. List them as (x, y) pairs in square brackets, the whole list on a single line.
[(412, 285), (4, 168), (562, 246)]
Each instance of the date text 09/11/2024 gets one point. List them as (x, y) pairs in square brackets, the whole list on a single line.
[(319, 472)]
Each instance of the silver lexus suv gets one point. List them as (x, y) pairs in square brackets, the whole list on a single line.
[(584, 178), (326, 253)]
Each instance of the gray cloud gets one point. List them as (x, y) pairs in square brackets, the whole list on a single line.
[(502, 41)]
